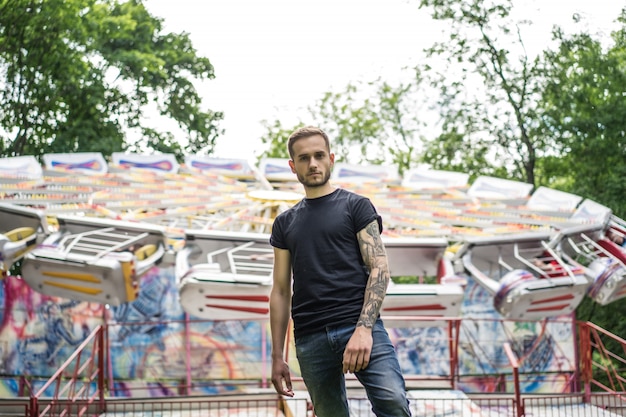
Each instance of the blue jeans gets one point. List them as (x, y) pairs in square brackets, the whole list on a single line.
[(320, 357)]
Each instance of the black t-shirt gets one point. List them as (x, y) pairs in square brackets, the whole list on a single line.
[(329, 276)]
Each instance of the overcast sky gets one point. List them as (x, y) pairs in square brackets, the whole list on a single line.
[(273, 58)]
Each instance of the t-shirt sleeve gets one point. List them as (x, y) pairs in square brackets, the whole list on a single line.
[(276, 237), (364, 213)]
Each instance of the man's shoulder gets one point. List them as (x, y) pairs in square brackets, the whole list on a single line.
[(350, 195), (290, 211)]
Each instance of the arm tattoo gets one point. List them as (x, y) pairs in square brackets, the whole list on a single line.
[(375, 258)]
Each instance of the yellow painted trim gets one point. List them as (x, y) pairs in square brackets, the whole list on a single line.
[(52, 221), (127, 273), (73, 275), (76, 288), (145, 251), (20, 233)]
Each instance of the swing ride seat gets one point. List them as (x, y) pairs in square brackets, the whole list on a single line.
[(604, 262), (94, 260), (610, 279), (225, 275), (421, 257), (526, 277), (21, 228), (228, 276)]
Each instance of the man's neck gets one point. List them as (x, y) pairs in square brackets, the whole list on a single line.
[(317, 192)]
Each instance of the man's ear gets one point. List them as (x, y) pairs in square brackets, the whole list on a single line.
[(332, 160), (292, 166)]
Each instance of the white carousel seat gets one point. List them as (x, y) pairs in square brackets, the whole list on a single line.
[(414, 256), (233, 252), (21, 228), (88, 261), (523, 295), (112, 278), (608, 273), (206, 292), (609, 280), (237, 252), (421, 257), (225, 275), (552, 290), (14, 244), (603, 261), (421, 300)]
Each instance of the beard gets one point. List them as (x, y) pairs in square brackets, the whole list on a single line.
[(313, 182)]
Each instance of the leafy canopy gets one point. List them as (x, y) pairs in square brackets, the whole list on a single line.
[(92, 75)]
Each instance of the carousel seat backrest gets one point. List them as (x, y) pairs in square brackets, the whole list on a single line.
[(615, 250), (95, 260)]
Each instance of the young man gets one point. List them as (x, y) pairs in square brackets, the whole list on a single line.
[(330, 242)]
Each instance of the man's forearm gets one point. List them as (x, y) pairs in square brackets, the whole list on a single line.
[(279, 321), (374, 296), (375, 257)]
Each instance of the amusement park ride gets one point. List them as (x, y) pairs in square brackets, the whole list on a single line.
[(88, 231), (85, 229)]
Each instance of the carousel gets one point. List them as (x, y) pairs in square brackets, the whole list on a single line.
[(87, 230)]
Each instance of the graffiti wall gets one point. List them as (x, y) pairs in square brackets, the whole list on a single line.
[(545, 349), (151, 338)]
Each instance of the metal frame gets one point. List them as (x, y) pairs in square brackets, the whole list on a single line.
[(96, 260)]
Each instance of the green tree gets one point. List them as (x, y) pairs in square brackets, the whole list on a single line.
[(374, 122), (275, 138), (371, 123), (487, 89), (352, 123), (86, 75), (584, 109)]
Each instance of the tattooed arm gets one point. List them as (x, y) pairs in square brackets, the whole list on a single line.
[(375, 258), (358, 350)]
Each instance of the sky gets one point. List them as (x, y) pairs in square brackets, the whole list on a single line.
[(275, 58)]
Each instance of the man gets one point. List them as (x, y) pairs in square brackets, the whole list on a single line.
[(330, 242)]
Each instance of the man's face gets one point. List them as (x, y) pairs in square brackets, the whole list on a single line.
[(312, 163)]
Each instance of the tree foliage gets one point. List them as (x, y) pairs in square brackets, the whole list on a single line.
[(374, 123), (487, 87), (584, 109), (87, 75), (275, 137)]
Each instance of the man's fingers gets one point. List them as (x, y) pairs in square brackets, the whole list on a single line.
[(281, 379), (289, 388), (283, 388), (355, 362)]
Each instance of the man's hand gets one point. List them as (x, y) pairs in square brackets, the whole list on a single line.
[(281, 378), (358, 350)]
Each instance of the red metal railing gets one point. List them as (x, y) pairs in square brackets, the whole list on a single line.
[(183, 382), (601, 369), (78, 385), (259, 404), (519, 408)]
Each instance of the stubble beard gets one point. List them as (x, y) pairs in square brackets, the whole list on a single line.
[(313, 183)]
